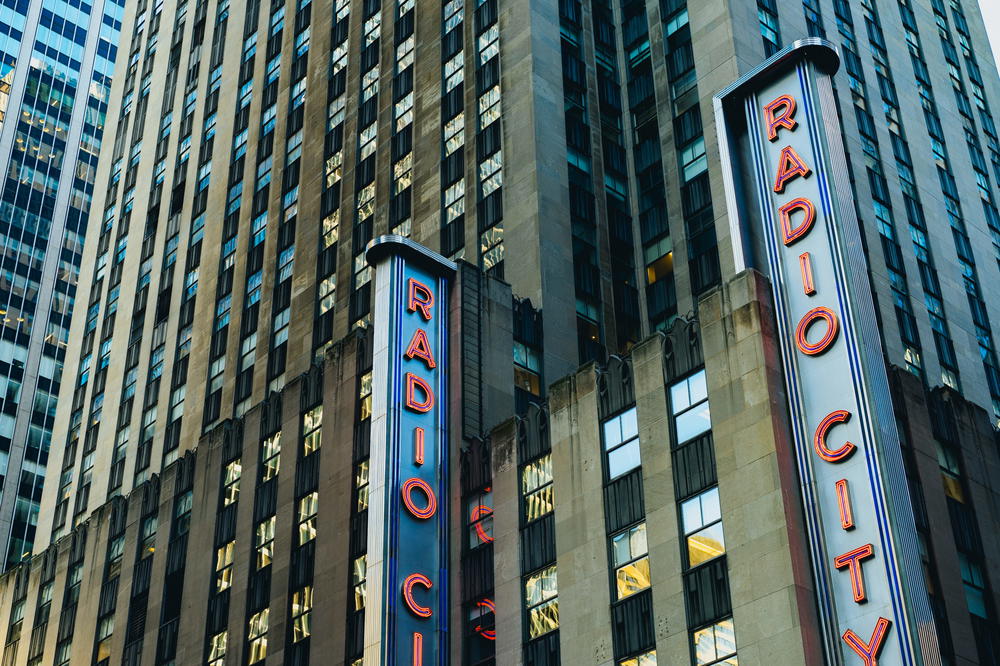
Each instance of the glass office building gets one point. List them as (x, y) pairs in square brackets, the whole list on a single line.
[(56, 62)]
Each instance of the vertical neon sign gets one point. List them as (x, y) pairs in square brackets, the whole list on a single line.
[(406, 619), (792, 215)]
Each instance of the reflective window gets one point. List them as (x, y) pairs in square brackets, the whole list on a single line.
[(480, 508), (702, 520), (264, 540), (621, 443), (536, 486), (716, 644), (270, 456), (302, 602), (257, 636), (541, 602), (308, 507), (689, 401), (645, 659), (312, 430), (224, 566), (631, 561)]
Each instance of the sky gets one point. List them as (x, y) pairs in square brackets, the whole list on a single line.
[(991, 15)]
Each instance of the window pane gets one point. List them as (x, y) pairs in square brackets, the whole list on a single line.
[(706, 544), (710, 511), (632, 578), (693, 422), (612, 433), (541, 586), (630, 427), (543, 619), (623, 459), (691, 514), (620, 548), (538, 504), (698, 388), (536, 474), (679, 399)]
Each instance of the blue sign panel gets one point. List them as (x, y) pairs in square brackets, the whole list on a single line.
[(406, 618)]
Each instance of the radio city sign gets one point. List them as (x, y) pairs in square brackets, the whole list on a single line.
[(407, 593), (792, 217)]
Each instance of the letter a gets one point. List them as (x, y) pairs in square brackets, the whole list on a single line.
[(421, 348), (790, 165)]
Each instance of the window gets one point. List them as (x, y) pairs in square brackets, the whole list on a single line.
[(224, 566), (702, 521), (480, 519), (231, 482), (217, 649), (257, 636), (302, 603), (631, 561), (360, 578), (536, 486), (541, 603), (361, 485), (308, 506), (270, 453), (689, 400), (693, 160), (264, 540), (715, 644), (974, 584), (312, 430), (365, 396), (645, 659), (621, 443)]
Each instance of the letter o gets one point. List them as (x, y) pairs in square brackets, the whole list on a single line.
[(407, 490), (808, 319)]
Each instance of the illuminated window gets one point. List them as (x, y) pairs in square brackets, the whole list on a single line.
[(270, 456), (715, 644), (264, 540), (231, 483), (536, 486), (312, 430), (527, 368), (365, 396), (645, 659), (630, 560), (541, 602), (702, 521), (217, 649), (361, 485), (359, 577), (302, 603), (224, 557), (257, 636), (689, 401), (621, 443), (480, 509), (308, 506)]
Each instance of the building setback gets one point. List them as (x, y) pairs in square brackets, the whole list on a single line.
[(56, 61), (240, 197)]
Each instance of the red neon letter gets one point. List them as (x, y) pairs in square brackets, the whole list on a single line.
[(790, 165), (819, 439), (488, 634), (481, 511), (421, 298), (411, 603), (790, 234), (852, 560), (806, 269), (418, 649), (412, 384), (418, 446), (821, 345), (782, 119), (844, 501), (869, 651), (421, 348), (407, 490)]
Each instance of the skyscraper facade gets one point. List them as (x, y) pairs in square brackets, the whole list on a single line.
[(563, 159), (56, 61)]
